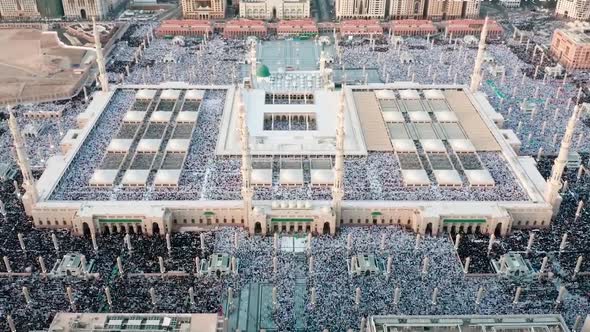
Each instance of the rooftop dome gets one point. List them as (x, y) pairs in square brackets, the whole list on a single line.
[(262, 71)]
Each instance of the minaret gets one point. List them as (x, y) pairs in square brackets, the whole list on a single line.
[(102, 72), (31, 196), (252, 63), (554, 184), (323, 74), (476, 76), (338, 187), (246, 168), (322, 64)]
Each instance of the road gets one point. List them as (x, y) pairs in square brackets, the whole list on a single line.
[(322, 10)]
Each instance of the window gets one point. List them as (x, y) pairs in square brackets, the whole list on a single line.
[(192, 221), (40, 222), (184, 221), (175, 221)]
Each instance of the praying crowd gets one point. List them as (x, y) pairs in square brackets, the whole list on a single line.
[(427, 274), (340, 299)]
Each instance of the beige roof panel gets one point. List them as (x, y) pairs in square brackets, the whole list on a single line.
[(373, 126), (471, 121)]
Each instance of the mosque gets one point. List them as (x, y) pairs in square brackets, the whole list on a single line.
[(293, 131)]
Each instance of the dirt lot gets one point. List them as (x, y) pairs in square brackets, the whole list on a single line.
[(33, 66)]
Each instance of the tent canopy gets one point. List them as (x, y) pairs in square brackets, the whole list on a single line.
[(145, 94), (479, 177), (385, 94), (167, 177), (134, 116), (433, 145), (135, 177), (446, 116), (447, 177), (161, 116), (433, 94), (291, 176), (409, 94), (194, 94), (393, 117), (190, 117), (262, 177), (119, 145), (149, 145), (419, 116), (170, 94), (461, 145), (103, 177), (177, 145), (415, 177), (403, 145), (322, 176)]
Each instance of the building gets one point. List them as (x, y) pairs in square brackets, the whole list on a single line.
[(464, 119), (510, 3), (575, 9), (451, 9), (361, 28), (184, 28), (242, 28), (462, 28), (430, 141), (203, 9), (412, 28), (474, 323), (401, 9), (12, 9), (360, 9), (50, 8), (95, 322), (571, 46), (275, 9), (86, 9), (296, 27)]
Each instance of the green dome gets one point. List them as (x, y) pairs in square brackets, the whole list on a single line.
[(262, 71)]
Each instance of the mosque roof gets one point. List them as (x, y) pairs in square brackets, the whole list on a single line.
[(262, 71)]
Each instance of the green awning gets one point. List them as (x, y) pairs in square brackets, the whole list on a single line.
[(457, 221), (208, 213), (376, 213), (291, 220), (110, 221)]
